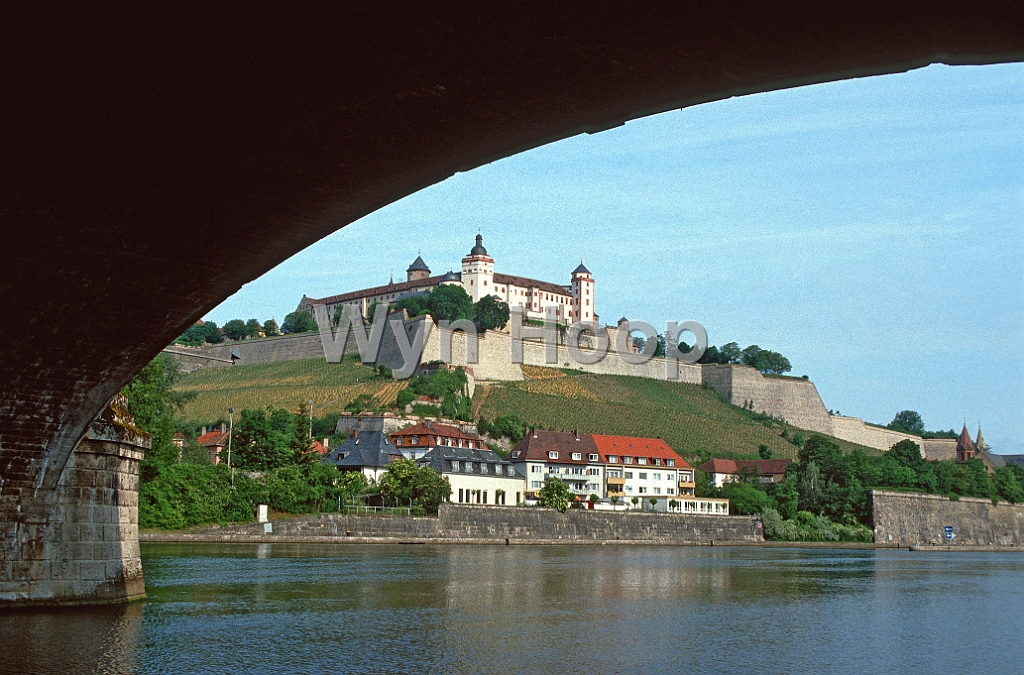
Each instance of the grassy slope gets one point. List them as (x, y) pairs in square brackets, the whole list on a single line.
[(284, 385), (694, 421)]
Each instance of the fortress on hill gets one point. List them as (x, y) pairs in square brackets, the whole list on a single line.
[(794, 399), (571, 302)]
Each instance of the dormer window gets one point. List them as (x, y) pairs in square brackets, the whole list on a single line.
[(627, 460), (641, 460), (592, 457), (577, 455), (552, 454), (415, 440), (613, 459), (670, 462), (657, 461), (398, 441), (515, 454)]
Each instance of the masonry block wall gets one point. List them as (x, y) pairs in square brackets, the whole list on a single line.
[(855, 430), (908, 518), (78, 542), (795, 400), (261, 350)]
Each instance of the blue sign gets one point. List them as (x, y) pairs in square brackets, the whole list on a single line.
[(949, 531)]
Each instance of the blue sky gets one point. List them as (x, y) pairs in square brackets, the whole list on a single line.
[(871, 230)]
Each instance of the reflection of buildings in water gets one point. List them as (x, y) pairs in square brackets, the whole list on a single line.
[(79, 640)]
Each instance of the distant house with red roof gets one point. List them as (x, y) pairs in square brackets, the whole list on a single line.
[(215, 441), (722, 471), (417, 440)]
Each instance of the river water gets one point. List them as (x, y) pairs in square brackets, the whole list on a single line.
[(280, 608)]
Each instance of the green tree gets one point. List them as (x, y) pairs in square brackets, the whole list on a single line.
[(154, 404), (235, 329), (908, 421), (194, 336), (405, 483), (703, 486), (1009, 483), (764, 452), (491, 313), (270, 328), (746, 498), (253, 328), (555, 494), (298, 322), (414, 305), (259, 441), (654, 502), (451, 303), (212, 334), (635, 501), (509, 426)]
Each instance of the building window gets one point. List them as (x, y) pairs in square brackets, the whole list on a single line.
[(656, 476), (643, 476), (670, 491), (670, 462), (535, 484), (552, 454), (657, 461), (641, 460), (657, 490), (627, 460), (398, 441), (577, 455), (643, 490), (629, 475), (613, 459), (460, 495), (536, 468), (515, 454), (592, 457), (455, 465), (415, 440)]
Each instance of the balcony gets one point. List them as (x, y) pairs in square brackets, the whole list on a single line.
[(616, 481)]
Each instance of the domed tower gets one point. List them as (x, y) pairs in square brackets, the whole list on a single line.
[(478, 271), (965, 449), (582, 294), (417, 270)]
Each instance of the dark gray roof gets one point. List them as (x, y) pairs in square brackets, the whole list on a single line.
[(440, 458), (479, 248), (581, 269), (367, 448), (452, 276), (996, 460), (418, 265)]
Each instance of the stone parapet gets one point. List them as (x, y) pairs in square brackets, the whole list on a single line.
[(78, 542)]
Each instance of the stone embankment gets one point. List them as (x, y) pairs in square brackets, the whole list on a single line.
[(492, 524), (912, 519)]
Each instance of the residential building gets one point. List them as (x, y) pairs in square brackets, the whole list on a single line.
[(722, 471), (570, 456), (419, 439), (369, 452), (643, 469), (477, 476)]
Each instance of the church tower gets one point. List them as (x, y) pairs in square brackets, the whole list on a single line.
[(965, 449), (417, 270), (583, 294), (980, 444), (478, 271)]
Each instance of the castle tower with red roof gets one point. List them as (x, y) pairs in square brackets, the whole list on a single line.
[(965, 448)]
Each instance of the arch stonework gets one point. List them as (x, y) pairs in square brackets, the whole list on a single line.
[(154, 159)]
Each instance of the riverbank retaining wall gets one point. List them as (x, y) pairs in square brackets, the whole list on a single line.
[(909, 518), (459, 522)]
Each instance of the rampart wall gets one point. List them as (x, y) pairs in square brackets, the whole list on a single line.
[(908, 518), (856, 431), (795, 400), (260, 350)]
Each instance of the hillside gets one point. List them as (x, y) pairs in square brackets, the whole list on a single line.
[(695, 421), (285, 384)]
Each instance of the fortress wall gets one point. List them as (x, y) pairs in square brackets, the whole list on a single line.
[(908, 518), (797, 401), (854, 430), (259, 350), (494, 354)]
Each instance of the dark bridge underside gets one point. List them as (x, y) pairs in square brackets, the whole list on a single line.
[(155, 159)]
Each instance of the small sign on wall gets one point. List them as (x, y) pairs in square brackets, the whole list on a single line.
[(268, 528), (948, 529)]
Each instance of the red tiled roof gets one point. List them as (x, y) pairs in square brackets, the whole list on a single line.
[(214, 438), (432, 429), (318, 448), (525, 282), (376, 290), (633, 446)]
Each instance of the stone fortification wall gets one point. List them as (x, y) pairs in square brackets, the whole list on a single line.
[(939, 448), (797, 401), (909, 518), (390, 423), (260, 350), (856, 431), (78, 543), (519, 524)]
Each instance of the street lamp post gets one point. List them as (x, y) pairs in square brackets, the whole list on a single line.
[(311, 420), (231, 432)]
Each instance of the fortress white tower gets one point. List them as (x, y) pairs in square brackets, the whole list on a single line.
[(582, 294), (478, 271)]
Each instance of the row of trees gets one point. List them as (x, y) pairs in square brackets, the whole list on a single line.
[(766, 361), (826, 483), (236, 329), (448, 302)]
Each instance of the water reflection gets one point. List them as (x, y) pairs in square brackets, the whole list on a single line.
[(81, 640), (497, 609)]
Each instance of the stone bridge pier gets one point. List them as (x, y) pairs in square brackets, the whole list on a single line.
[(77, 541)]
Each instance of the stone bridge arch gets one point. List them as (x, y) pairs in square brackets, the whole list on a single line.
[(154, 159)]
